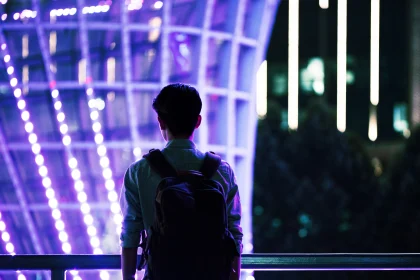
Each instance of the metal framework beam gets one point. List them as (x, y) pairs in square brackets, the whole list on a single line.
[(127, 72), (202, 70)]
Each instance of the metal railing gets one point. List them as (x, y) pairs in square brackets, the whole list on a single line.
[(59, 264)]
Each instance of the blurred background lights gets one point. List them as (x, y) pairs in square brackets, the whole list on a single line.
[(158, 5)]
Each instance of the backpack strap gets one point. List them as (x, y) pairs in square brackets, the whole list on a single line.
[(159, 164), (210, 165)]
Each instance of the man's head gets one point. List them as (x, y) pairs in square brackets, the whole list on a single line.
[(178, 107)]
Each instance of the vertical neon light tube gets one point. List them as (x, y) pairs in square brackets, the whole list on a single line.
[(293, 79), (341, 64), (374, 52)]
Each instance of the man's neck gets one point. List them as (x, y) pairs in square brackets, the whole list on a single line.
[(171, 137)]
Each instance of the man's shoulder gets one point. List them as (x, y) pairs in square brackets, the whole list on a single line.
[(139, 164)]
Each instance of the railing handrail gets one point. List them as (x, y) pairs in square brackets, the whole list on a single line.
[(297, 262)]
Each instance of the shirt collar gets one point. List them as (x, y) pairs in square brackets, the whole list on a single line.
[(180, 144)]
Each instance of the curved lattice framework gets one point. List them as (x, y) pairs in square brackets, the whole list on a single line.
[(85, 72)]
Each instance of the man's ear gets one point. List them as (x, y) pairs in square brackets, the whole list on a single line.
[(198, 122), (162, 123)]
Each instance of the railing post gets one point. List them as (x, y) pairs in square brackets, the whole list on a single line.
[(58, 274)]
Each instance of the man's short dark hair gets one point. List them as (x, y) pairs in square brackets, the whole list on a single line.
[(179, 106)]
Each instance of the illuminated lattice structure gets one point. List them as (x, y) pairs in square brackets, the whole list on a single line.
[(77, 80)]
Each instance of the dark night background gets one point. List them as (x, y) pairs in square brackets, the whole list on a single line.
[(318, 190)]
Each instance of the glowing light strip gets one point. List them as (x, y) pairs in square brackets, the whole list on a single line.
[(262, 89), (97, 127), (36, 150), (73, 11), (374, 51), (10, 248), (72, 163), (341, 64), (293, 65), (324, 4)]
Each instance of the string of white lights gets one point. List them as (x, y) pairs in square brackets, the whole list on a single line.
[(71, 11), (36, 150), (10, 248), (101, 150), (72, 162)]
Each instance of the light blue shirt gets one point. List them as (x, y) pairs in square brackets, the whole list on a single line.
[(139, 190)]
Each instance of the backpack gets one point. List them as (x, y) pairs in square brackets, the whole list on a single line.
[(189, 238)]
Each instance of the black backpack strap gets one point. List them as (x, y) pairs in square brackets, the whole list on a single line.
[(159, 164), (210, 165)]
